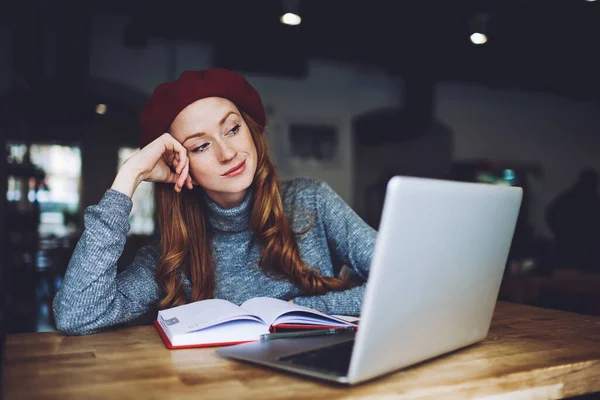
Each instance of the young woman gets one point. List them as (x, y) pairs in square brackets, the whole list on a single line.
[(228, 228)]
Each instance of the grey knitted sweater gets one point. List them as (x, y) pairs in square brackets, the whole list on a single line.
[(94, 296)]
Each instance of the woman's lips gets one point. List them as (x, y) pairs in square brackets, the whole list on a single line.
[(238, 169)]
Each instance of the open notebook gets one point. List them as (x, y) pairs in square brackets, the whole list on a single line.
[(217, 322)]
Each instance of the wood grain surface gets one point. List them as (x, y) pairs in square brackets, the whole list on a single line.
[(530, 353)]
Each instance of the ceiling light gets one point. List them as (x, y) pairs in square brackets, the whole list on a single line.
[(590, 1), (479, 28), (290, 19), (101, 109), (478, 38), (290, 14)]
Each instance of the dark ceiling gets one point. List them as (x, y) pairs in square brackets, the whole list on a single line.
[(547, 45)]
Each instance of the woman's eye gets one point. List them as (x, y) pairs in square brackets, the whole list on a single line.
[(200, 148), (235, 129)]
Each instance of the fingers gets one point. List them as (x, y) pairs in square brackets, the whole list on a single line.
[(183, 177), (179, 163), (176, 157), (172, 178), (171, 161), (176, 178), (175, 162), (175, 153), (181, 156)]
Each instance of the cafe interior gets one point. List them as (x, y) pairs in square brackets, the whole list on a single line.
[(492, 92)]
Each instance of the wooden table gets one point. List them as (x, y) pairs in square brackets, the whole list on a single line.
[(530, 353)]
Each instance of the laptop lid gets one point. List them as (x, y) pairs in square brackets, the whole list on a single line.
[(435, 275), (436, 271)]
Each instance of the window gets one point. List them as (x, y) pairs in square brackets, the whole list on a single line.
[(58, 192), (62, 165), (142, 213)]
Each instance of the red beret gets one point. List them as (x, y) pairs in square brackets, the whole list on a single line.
[(170, 98)]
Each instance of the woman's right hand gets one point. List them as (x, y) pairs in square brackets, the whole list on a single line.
[(162, 160)]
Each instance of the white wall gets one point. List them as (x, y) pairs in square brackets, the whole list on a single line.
[(561, 135), (332, 94)]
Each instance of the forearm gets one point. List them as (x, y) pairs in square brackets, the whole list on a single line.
[(127, 180), (89, 286), (96, 308), (347, 302), (350, 239)]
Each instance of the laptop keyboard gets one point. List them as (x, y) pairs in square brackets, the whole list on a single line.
[(332, 359)]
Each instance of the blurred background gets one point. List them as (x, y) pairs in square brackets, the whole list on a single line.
[(501, 92)]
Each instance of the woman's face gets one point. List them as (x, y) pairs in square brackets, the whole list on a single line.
[(220, 148)]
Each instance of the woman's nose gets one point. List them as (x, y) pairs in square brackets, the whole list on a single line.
[(227, 152)]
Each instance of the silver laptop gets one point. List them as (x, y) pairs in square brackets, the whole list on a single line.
[(433, 284)]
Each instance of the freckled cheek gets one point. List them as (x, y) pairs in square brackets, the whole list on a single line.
[(203, 171), (197, 170), (248, 145)]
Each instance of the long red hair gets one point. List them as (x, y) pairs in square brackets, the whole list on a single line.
[(186, 241)]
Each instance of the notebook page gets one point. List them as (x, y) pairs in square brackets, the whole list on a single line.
[(348, 318), (295, 318), (274, 311), (202, 314)]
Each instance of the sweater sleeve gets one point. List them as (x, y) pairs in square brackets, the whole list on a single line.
[(351, 241), (92, 295)]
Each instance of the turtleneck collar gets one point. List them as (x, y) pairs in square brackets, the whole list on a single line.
[(235, 219)]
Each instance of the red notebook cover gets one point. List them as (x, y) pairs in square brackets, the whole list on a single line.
[(169, 345)]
